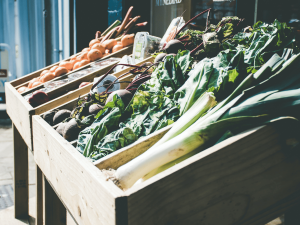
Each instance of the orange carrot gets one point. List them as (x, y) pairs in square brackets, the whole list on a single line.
[(125, 21)]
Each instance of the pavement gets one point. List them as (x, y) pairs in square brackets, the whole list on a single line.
[(7, 173)]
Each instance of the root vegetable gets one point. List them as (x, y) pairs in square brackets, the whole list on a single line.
[(173, 46), (46, 71), (60, 129), (125, 95), (94, 41), (100, 47), (94, 54), (127, 40), (67, 65), (71, 130), (109, 44), (38, 98), (94, 109), (60, 71), (48, 116), (159, 57), (117, 48), (37, 83), (46, 77), (61, 115), (125, 21), (22, 89)]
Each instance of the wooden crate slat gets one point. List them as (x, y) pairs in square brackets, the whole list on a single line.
[(124, 155), (229, 183), (19, 111), (81, 186), (79, 92)]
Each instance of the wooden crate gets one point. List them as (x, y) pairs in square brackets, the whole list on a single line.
[(20, 111), (247, 179)]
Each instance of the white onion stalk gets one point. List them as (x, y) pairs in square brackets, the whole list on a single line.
[(165, 151)]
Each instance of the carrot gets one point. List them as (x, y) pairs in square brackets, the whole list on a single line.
[(141, 24), (125, 21), (132, 22), (98, 35)]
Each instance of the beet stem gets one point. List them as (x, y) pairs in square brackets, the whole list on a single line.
[(191, 21), (105, 75), (195, 49)]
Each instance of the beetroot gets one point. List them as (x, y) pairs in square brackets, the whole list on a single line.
[(94, 109), (159, 57), (173, 46), (61, 115), (60, 129), (38, 98), (71, 130), (125, 95)]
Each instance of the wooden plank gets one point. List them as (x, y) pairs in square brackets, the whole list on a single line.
[(230, 183), (20, 175), (19, 112), (62, 99), (79, 184), (78, 92), (124, 155), (75, 83), (55, 212), (39, 196)]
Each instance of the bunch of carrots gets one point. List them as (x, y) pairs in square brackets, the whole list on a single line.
[(113, 39)]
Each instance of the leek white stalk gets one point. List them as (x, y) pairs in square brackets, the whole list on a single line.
[(203, 103), (173, 149)]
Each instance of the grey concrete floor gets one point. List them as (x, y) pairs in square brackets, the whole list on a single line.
[(7, 173), (6, 177)]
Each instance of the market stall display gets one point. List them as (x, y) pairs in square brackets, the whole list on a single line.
[(186, 119), (171, 140)]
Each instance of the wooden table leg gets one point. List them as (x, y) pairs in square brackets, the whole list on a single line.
[(20, 175), (54, 210), (292, 216), (39, 196)]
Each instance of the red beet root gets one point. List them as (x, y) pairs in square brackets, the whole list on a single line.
[(38, 98)]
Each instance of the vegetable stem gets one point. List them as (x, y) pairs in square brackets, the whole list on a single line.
[(191, 21), (115, 24)]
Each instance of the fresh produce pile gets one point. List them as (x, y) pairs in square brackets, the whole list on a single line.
[(69, 124), (113, 39), (206, 43), (174, 88), (259, 86)]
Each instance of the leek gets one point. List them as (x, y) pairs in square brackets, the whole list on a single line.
[(276, 96)]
